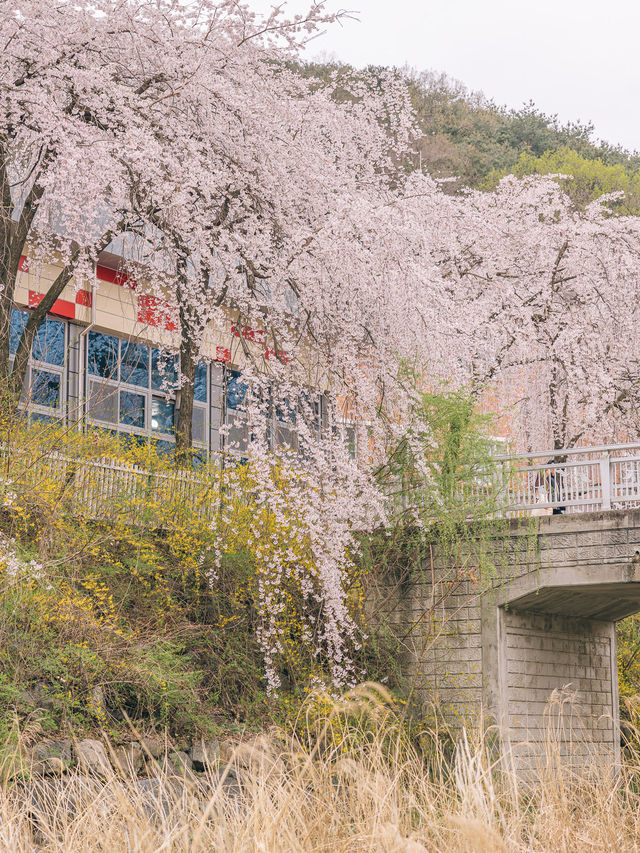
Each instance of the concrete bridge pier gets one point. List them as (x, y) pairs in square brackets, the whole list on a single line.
[(550, 675), (536, 651)]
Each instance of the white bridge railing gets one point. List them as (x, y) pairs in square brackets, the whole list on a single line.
[(579, 479)]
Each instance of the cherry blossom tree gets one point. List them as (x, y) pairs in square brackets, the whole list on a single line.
[(183, 135), (96, 103), (546, 299), (283, 187)]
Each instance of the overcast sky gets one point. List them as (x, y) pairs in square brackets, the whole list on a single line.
[(577, 58)]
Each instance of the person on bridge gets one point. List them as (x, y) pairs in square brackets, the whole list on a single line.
[(550, 488), (557, 487)]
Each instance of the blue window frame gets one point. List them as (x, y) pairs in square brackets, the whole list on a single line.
[(200, 383), (49, 342), (285, 411), (44, 391), (39, 418), (165, 448), (162, 415), (129, 372), (132, 409), (18, 322), (236, 390), (45, 388)]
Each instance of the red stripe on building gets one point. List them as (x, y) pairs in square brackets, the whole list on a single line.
[(61, 307), (115, 277), (281, 355), (222, 354), (84, 297), (23, 264), (156, 312)]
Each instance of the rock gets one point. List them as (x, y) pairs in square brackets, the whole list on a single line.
[(156, 797), (229, 782), (39, 696), (227, 749), (159, 797), (50, 803), (128, 759), (205, 754), (153, 746), (52, 766), (179, 763), (51, 757), (92, 757), (257, 756), (174, 764)]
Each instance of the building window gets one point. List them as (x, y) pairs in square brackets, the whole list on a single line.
[(164, 370), (130, 386), (18, 322), (283, 425), (235, 417), (284, 416), (162, 415), (49, 344), (134, 368), (351, 439), (44, 390), (132, 409), (348, 430), (103, 355)]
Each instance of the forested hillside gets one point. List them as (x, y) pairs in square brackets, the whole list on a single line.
[(469, 137)]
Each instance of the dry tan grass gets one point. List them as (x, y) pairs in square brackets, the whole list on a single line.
[(361, 787)]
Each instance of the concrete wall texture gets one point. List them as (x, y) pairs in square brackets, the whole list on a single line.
[(531, 646), (559, 687)]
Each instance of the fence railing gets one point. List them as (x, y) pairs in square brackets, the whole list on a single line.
[(580, 479), (103, 488)]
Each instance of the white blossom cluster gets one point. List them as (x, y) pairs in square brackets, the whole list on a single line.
[(15, 567), (9, 497)]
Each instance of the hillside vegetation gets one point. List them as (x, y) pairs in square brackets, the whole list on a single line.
[(141, 605), (467, 136), (126, 604)]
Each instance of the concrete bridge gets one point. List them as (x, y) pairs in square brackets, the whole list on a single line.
[(532, 646)]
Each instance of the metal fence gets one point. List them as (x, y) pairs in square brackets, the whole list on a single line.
[(580, 479), (104, 488)]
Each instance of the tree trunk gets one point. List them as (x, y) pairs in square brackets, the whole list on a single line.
[(191, 329), (188, 366), (7, 276), (14, 238), (36, 319)]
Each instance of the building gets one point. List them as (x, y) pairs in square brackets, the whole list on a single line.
[(107, 356)]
